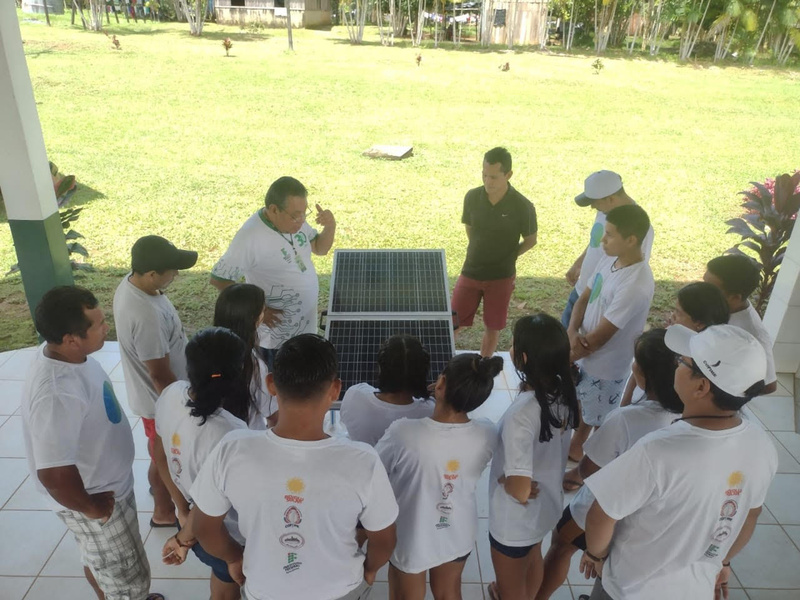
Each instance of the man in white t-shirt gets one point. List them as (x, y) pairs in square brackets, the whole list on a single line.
[(609, 315), (738, 276), (79, 444), (603, 191), (273, 251), (672, 511), (299, 493), (151, 343)]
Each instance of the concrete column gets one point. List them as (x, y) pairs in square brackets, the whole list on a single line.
[(25, 174)]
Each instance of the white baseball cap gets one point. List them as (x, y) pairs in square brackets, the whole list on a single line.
[(600, 184), (728, 356)]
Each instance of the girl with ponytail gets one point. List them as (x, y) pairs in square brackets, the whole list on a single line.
[(525, 495), (434, 464), (191, 418)]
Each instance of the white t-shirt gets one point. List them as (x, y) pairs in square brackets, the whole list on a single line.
[(621, 429), (71, 416), (521, 453), (749, 320), (366, 417), (434, 468), (266, 403), (298, 505), (281, 265), (623, 297), (148, 328), (681, 496), (594, 250)]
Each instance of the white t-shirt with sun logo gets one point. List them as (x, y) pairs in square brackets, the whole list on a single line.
[(594, 250), (680, 496), (71, 416), (281, 265), (623, 297), (298, 504), (434, 468)]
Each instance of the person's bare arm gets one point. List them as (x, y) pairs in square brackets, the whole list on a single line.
[(574, 272), (519, 487), (600, 335), (587, 467), (163, 471), (220, 284), (577, 345), (627, 395), (526, 244), (745, 534), (599, 531), (769, 388), (215, 539), (65, 485), (160, 373), (322, 244), (380, 545)]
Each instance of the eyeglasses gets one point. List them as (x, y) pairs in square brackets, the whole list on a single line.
[(679, 360), (298, 219)]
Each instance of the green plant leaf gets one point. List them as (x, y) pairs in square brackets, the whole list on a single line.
[(53, 169), (65, 185), (754, 220), (741, 227), (76, 248), (77, 266), (73, 235)]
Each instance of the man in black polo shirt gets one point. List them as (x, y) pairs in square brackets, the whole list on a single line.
[(496, 217)]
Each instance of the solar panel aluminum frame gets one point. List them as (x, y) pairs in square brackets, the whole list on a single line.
[(338, 258)]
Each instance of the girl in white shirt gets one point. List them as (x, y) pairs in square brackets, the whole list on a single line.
[(403, 365), (654, 372), (534, 443), (240, 308), (434, 464), (191, 418)]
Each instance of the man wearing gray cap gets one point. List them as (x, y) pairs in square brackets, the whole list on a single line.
[(672, 512), (151, 343), (602, 191)]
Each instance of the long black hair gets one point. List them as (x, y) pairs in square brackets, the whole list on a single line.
[(704, 303), (469, 379), (238, 308), (403, 365), (214, 359), (541, 358), (657, 362)]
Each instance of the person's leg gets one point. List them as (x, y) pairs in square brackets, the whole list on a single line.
[(567, 314), (163, 508), (466, 298), (446, 580), (93, 582), (579, 437), (511, 574), (496, 298), (533, 579), (559, 556), (598, 593), (406, 586), (221, 590)]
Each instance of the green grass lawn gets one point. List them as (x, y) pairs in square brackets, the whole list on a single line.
[(169, 136)]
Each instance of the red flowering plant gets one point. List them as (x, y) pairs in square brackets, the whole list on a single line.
[(766, 227)]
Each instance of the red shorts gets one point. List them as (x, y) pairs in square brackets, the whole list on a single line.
[(150, 432), (496, 295)]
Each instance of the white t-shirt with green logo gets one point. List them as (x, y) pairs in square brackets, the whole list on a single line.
[(594, 250), (281, 265), (623, 297)]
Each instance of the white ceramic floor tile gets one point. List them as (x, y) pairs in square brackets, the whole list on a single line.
[(13, 472), (766, 517), (41, 533), (117, 374), (484, 551), (12, 444), (3, 419), (14, 588), (109, 346), (66, 560), (10, 396), (471, 573), (122, 396), (786, 462), (790, 441), (469, 591), (794, 533), (755, 594), (775, 412), (769, 561), (500, 382), (140, 441), (482, 493), (181, 589), (782, 499), (141, 487), (786, 381), (27, 497), (16, 367), (62, 588), (192, 568), (494, 407), (107, 360), (4, 356)]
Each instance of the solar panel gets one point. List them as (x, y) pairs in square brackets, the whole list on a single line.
[(389, 281), (357, 342)]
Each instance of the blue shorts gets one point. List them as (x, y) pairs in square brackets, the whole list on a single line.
[(218, 566), (510, 551)]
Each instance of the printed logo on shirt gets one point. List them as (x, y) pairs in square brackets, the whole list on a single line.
[(597, 287), (442, 524), (176, 440), (292, 564), (728, 510), (292, 540), (296, 486), (285, 255), (300, 238), (596, 235), (113, 410), (176, 466), (712, 552), (721, 534), (292, 517), (452, 468), (445, 508), (447, 489)]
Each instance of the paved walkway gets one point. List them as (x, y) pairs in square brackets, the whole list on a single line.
[(38, 561)]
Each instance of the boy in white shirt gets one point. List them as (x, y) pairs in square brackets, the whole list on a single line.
[(79, 444), (607, 318), (298, 492), (672, 512), (738, 277)]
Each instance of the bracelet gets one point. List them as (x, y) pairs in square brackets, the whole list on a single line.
[(595, 558), (180, 543), (726, 564)]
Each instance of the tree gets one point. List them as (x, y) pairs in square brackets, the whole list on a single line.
[(354, 20), (195, 13)]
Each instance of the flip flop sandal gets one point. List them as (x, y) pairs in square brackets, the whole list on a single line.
[(163, 525), (583, 597), (157, 596), (492, 591), (570, 485)]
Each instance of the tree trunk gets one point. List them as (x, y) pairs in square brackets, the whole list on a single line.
[(288, 23), (763, 31), (46, 13)]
